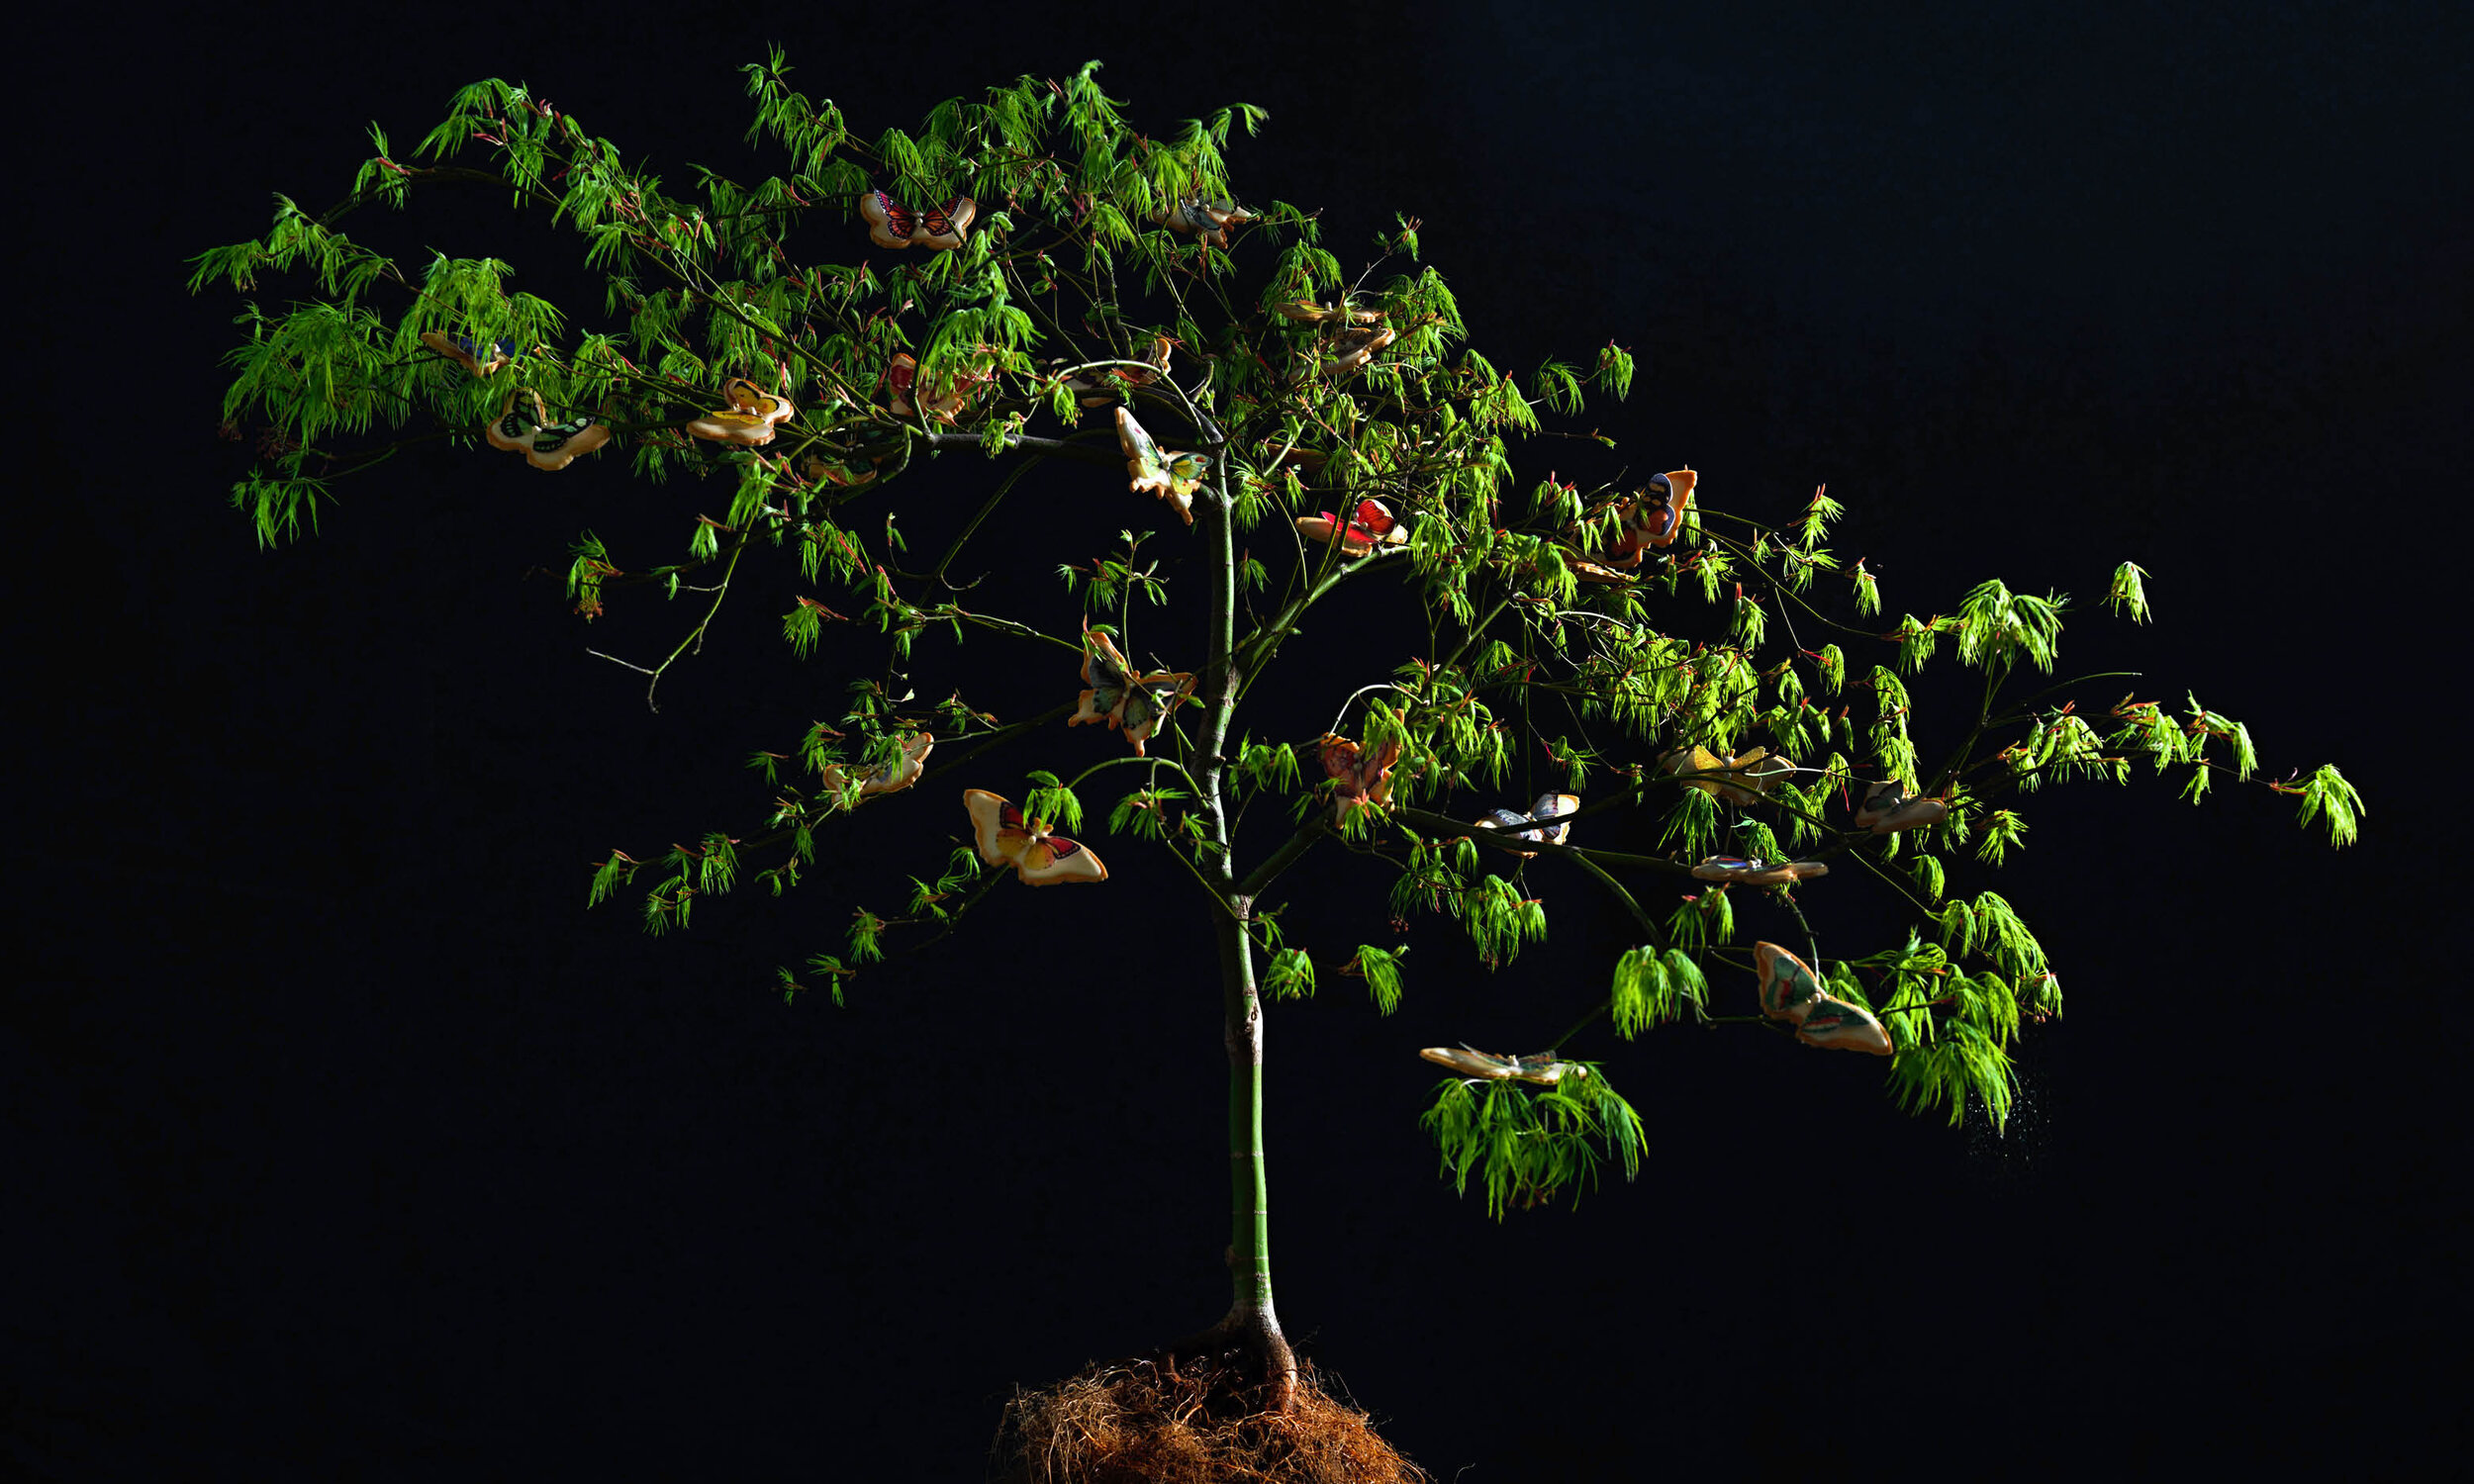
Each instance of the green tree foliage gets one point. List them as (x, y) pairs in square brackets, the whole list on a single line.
[(1719, 674)]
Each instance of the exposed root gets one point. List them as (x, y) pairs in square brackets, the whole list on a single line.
[(1189, 1420)]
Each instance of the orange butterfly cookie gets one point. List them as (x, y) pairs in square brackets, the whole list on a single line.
[(894, 225), (1362, 774), (749, 419), (901, 377), (1038, 858)]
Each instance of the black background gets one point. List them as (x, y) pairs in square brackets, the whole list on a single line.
[(343, 1143)]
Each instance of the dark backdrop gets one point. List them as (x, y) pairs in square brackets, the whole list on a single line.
[(343, 1143)]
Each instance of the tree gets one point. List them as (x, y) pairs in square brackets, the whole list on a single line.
[(1048, 287)]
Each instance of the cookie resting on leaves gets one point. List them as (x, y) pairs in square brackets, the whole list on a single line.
[(1756, 871), (894, 777), (894, 225), (467, 354), (1174, 477), (1743, 778), (749, 419), (518, 417), (902, 375), (1131, 703), (841, 475), (522, 426), (1652, 517), (1792, 992), (1889, 807), (1362, 774), (1113, 380), (1370, 525), (1208, 220), (555, 446), (1590, 571), (1038, 858), (1356, 347), (1539, 823), (1540, 1068), (1835, 1025)]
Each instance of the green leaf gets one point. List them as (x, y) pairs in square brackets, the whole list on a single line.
[(2129, 591), (1527, 1143), (2328, 797), (1381, 973)]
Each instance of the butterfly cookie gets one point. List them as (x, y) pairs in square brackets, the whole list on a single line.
[(1792, 992), (1540, 1068), (1889, 807), (1132, 703), (467, 354), (524, 426), (894, 225), (1174, 477), (1112, 380), (1539, 823), (1370, 525), (749, 419), (1756, 871), (1208, 220), (1038, 858), (1356, 347), (1741, 779), (901, 376), (1362, 774), (894, 777), (1652, 517)]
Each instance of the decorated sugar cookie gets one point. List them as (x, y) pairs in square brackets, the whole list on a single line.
[(1208, 220), (1174, 477), (518, 417), (1363, 775), (1039, 859), (1756, 871), (749, 419), (1889, 807), (1540, 822), (1131, 703), (894, 225), (894, 776), (1540, 1068), (1652, 518), (467, 354), (1369, 526)]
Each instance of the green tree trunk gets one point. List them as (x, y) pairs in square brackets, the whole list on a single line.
[(1251, 1321)]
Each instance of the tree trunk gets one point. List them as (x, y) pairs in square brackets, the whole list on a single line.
[(1251, 1323)]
